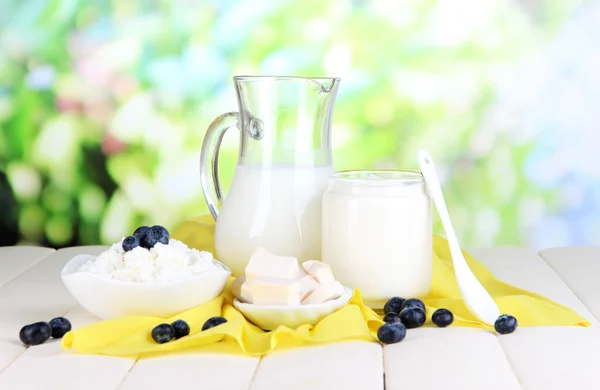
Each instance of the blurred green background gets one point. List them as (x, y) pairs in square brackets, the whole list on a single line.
[(104, 105)]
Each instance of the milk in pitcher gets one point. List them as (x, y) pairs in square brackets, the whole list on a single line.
[(277, 207)]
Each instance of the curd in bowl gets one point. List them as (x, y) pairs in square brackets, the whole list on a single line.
[(161, 281)]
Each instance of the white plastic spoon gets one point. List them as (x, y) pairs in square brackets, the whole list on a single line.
[(477, 299)]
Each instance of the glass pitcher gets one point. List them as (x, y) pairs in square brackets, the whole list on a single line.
[(282, 171)]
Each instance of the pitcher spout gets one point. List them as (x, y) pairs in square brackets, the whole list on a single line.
[(326, 84)]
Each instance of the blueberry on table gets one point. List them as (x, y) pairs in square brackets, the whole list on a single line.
[(393, 305), (139, 232), (60, 326), (391, 318), (163, 333), (213, 321), (181, 328), (130, 242), (391, 333), (35, 334), (412, 317), (505, 324), (442, 317), (413, 302), (154, 235)]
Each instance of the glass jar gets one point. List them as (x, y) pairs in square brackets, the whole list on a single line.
[(377, 229)]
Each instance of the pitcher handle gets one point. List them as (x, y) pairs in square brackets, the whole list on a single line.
[(210, 150)]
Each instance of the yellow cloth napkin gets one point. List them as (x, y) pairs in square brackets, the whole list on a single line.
[(130, 336)]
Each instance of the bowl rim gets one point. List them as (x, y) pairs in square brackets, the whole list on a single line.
[(221, 268), (348, 292)]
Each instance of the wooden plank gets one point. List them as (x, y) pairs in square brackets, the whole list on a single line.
[(37, 295), (450, 359), (10, 349), (347, 365), (65, 370), (554, 357), (526, 269), (14, 260), (189, 370), (549, 357), (579, 268), (48, 367)]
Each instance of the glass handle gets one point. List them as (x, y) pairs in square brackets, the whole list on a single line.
[(209, 160)]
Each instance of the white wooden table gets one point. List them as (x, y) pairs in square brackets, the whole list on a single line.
[(453, 358)]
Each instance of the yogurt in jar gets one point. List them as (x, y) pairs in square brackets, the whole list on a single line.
[(377, 229)]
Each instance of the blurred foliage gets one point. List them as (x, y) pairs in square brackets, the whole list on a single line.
[(104, 105)]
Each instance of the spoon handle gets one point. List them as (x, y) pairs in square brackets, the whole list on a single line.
[(477, 299), (433, 185)]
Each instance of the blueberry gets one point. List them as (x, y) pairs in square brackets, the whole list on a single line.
[(413, 302), (412, 317), (139, 232), (35, 334), (60, 326), (181, 328), (442, 317), (212, 322), (391, 318), (163, 333), (130, 242), (505, 324), (393, 305), (391, 333), (154, 235)]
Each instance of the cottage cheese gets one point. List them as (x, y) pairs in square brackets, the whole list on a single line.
[(162, 263)]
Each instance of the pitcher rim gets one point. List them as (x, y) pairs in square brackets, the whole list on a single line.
[(272, 77)]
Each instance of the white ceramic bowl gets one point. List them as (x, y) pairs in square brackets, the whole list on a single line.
[(108, 298), (270, 317)]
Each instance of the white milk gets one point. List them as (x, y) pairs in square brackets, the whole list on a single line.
[(276, 207), (377, 234)]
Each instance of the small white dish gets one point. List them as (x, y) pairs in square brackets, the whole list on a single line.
[(269, 317), (108, 298)]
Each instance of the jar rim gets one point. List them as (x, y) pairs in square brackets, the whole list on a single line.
[(377, 176)]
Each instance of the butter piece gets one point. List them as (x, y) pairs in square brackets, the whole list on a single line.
[(324, 293), (318, 270), (246, 293), (308, 284), (306, 265), (302, 272), (241, 290), (265, 264), (236, 286), (270, 291)]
